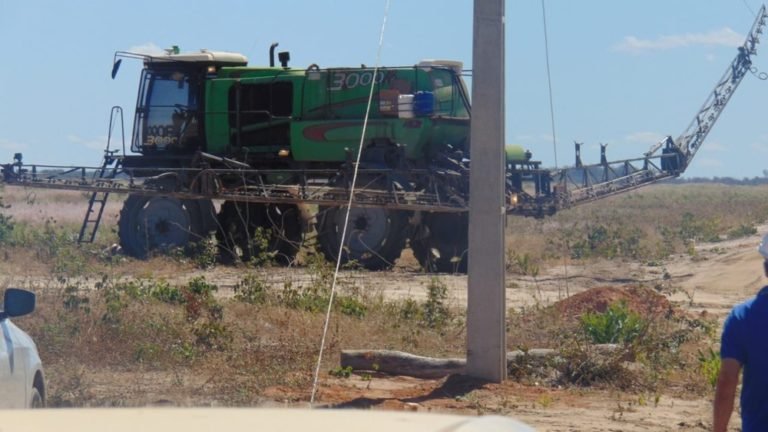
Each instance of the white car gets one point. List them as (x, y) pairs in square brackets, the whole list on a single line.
[(22, 383)]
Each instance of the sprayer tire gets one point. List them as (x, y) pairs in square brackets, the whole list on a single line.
[(239, 225), (375, 237), (441, 242), (155, 223)]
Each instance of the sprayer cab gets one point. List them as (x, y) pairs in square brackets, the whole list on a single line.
[(168, 116)]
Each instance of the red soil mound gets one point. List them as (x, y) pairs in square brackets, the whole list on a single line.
[(638, 299)]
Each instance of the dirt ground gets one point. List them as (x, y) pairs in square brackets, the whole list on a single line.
[(718, 276), (711, 282)]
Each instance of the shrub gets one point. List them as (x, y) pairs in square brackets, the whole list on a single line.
[(523, 264), (6, 228), (199, 287), (743, 230), (203, 252), (351, 306), (206, 315), (142, 289), (436, 313), (164, 292), (698, 228), (75, 299), (617, 324), (251, 289), (341, 372), (311, 299), (611, 239), (583, 366), (709, 366), (409, 309), (212, 335)]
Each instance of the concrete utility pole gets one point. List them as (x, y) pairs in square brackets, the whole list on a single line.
[(486, 304)]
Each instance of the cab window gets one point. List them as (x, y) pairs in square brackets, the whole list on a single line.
[(260, 113), (166, 113)]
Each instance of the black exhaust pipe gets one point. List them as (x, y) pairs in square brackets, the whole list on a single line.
[(272, 54)]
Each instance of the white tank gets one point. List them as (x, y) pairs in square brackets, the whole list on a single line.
[(405, 106)]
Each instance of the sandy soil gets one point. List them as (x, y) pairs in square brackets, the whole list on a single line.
[(717, 277)]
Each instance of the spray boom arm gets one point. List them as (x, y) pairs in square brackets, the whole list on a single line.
[(691, 139), (562, 188)]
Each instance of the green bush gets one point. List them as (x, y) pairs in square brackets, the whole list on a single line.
[(142, 289), (610, 239), (206, 315), (351, 306), (203, 252), (743, 230), (617, 324), (199, 287), (523, 264), (709, 366), (311, 299), (436, 313), (164, 292), (212, 335), (699, 228), (76, 299), (6, 228), (251, 289), (341, 372), (315, 297), (409, 309)]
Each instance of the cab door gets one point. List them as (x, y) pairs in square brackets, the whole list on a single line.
[(167, 111)]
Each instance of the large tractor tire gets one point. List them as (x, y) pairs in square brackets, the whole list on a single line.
[(375, 236), (159, 223), (440, 243), (204, 219), (249, 231)]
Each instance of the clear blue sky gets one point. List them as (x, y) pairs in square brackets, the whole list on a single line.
[(624, 72)]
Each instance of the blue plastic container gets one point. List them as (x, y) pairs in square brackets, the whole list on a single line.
[(423, 104)]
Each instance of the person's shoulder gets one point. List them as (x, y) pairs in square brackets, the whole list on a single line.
[(741, 309)]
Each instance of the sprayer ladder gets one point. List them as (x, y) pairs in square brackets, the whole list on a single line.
[(98, 199)]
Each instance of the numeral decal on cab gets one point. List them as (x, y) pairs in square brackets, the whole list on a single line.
[(350, 80)]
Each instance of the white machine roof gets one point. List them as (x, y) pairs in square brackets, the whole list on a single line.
[(205, 56), (457, 66)]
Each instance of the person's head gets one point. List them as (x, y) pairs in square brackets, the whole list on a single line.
[(763, 249)]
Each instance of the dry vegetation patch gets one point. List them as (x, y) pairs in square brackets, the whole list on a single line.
[(133, 338)]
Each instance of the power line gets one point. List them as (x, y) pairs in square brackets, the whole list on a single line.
[(349, 208), (549, 81), (752, 11)]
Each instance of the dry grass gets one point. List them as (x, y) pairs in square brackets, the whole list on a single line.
[(657, 213), (109, 334), (105, 350), (67, 208)]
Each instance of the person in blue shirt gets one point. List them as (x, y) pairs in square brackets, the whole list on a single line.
[(744, 345)]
